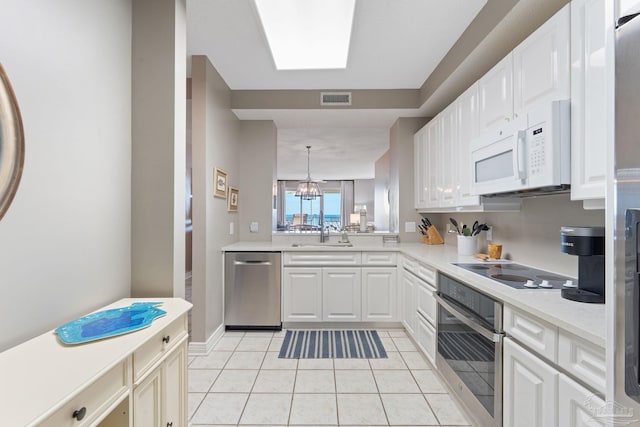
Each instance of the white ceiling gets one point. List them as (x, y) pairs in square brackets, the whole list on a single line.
[(336, 153), (395, 44)]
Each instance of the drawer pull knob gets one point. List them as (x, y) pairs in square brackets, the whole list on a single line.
[(79, 414), (166, 339)]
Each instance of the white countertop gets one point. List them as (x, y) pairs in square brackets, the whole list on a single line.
[(307, 247), (582, 319)]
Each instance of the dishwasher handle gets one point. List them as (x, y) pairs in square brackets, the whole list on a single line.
[(251, 262), (468, 320)]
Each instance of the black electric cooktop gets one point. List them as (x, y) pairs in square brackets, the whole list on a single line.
[(520, 276)]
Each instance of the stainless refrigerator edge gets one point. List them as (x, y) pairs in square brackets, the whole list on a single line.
[(626, 202)]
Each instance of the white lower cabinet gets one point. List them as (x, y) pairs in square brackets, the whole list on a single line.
[(530, 389), (410, 302), (419, 305), (339, 287), (426, 337), (538, 394), (341, 294), (302, 294), (133, 380), (174, 388), (147, 396), (379, 293), (577, 405), (160, 399)]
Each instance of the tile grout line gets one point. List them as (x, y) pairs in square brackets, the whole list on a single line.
[(384, 409)]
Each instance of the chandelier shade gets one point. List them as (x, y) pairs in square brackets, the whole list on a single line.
[(308, 189)]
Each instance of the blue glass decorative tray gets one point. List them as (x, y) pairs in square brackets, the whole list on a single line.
[(109, 323)]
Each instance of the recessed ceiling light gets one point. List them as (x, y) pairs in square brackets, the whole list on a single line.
[(307, 34)]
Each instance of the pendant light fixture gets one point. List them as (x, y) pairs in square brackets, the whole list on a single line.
[(308, 189)]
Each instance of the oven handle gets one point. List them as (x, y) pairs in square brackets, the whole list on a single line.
[(493, 336)]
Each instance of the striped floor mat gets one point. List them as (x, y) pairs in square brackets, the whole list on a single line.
[(332, 344)]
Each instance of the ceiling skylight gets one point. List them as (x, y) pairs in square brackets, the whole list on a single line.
[(307, 34)]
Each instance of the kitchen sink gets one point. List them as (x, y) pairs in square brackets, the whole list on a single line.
[(321, 245)]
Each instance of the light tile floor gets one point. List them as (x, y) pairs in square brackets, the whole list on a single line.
[(242, 382)]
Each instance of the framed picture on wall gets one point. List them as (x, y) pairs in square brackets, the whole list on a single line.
[(220, 183), (232, 201)]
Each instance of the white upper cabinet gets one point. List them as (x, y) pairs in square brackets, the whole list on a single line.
[(541, 64), (449, 164), (420, 181), (536, 72), (433, 163), (626, 7), (591, 101), (467, 106), (495, 91)]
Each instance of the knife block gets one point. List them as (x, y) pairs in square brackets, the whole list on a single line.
[(432, 237)]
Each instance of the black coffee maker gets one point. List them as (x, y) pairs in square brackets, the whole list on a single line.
[(588, 244)]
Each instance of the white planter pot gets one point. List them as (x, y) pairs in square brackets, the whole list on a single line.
[(467, 245)]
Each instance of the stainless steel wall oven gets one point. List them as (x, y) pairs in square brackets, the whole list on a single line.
[(469, 356)]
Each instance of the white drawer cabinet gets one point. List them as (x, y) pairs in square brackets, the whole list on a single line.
[(157, 347), (379, 259), (409, 303), (535, 333), (426, 273), (426, 337), (583, 359), (419, 307), (409, 264), (89, 406), (99, 376), (426, 301), (322, 259)]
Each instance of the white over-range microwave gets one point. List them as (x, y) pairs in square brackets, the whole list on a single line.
[(528, 155)]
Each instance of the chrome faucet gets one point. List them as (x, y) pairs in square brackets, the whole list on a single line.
[(323, 237)]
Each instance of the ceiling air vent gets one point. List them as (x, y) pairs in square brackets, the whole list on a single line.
[(335, 98)]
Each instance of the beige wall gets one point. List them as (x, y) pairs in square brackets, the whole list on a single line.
[(64, 242), (158, 148), (531, 236), (401, 176), (257, 174), (214, 135), (382, 192), (364, 194)]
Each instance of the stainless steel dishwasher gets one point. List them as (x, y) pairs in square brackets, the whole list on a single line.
[(252, 290)]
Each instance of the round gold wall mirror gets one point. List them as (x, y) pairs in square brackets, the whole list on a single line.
[(11, 143)]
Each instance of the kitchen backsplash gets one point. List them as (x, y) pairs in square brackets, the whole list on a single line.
[(531, 236)]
